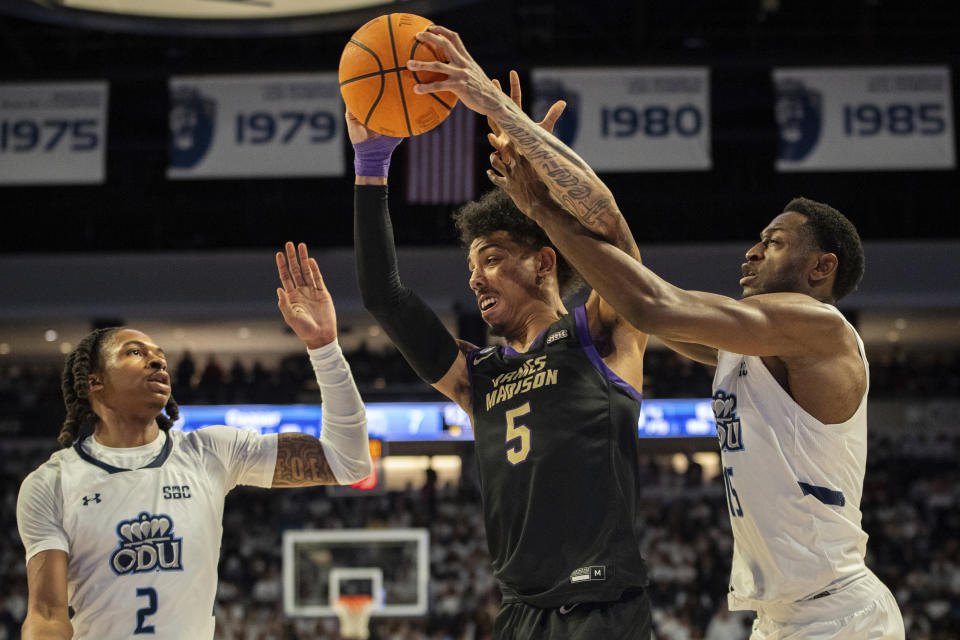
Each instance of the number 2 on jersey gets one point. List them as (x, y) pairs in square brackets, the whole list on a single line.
[(519, 453), (151, 595)]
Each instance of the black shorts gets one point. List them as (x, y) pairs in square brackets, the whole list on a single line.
[(626, 618)]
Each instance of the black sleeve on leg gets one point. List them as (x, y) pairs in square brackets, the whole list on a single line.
[(413, 326)]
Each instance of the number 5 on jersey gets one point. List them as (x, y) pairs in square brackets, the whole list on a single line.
[(518, 453), (733, 498)]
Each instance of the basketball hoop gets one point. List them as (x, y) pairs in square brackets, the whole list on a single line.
[(354, 613)]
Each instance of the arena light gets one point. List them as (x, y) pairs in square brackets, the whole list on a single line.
[(221, 18), (218, 9)]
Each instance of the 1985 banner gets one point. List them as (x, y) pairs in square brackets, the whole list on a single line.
[(53, 133), (631, 119), (865, 118), (256, 126)]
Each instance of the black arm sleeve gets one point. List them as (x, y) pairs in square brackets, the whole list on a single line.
[(411, 324)]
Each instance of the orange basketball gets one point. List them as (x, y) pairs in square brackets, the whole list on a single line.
[(378, 88)]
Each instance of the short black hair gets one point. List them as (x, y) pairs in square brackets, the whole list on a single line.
[(834, 233), (495, 211), (75, 383)]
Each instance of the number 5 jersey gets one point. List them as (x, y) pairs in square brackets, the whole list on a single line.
[(556, 442)]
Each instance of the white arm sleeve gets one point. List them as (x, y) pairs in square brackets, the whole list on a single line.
[(343, 432)]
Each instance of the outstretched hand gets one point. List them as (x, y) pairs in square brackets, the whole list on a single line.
[(304, 301), (499, 140)]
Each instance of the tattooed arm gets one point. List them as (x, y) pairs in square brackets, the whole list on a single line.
[(569, 180), (342, 453), (301, 462)]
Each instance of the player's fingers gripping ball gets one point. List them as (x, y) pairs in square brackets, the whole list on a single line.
[(378, 88)]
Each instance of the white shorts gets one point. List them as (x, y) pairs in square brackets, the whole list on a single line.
[(863, 610)]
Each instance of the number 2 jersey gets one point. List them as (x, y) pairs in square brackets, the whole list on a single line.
[(556, 441), (142, 544), (793, 487)]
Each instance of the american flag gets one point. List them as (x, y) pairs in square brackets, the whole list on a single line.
[(441, 162)]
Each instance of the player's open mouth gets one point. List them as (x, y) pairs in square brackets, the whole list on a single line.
[(486, 303), (160, 381), (745, 279)]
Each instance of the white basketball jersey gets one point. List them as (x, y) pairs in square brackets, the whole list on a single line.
[(793, 487), (144, 544)]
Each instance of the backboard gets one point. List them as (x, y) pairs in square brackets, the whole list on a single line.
[(391, 565)]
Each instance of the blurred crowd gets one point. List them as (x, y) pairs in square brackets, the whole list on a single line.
[(910, 505), (30, 393)]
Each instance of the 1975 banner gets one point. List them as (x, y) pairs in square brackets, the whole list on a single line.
[(631, 119), (256, 126), (53, 133), (868, 118)]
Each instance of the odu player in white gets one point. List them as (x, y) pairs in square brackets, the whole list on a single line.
[(790, 392), (124, 524)]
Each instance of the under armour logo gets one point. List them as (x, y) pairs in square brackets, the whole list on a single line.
[(87, 500)]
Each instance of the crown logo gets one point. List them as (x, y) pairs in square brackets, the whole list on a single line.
[(724, 405), (143, 528), (146, 544), (728, 424)]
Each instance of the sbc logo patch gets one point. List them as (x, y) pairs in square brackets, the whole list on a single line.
[(147, 543)]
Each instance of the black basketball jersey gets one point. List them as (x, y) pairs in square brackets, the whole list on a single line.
[(556, 440)]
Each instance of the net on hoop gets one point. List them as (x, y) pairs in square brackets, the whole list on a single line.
[(354, 613)]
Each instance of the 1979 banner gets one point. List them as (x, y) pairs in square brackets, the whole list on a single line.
[(256, 126)]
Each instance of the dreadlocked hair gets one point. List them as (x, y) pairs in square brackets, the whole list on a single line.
[(75, 383)]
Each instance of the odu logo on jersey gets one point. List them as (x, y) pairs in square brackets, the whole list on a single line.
[(728, 424), (146, 544), (800, 117)]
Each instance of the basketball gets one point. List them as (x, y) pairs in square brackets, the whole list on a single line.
[(378, 88)]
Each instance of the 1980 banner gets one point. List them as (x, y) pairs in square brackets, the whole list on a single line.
[(250, 126), (631, 119), (864, 118), (53, 133)]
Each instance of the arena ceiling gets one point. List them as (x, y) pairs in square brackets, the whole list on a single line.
[(740, 40)]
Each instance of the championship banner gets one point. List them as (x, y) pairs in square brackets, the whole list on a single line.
[(256, 126), (864, 118), (631, 119), (53, 133)]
